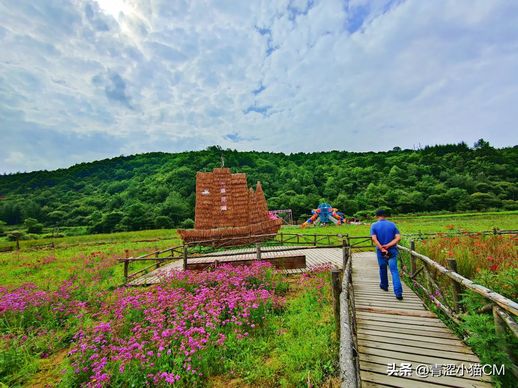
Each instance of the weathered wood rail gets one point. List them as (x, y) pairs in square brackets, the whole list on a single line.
[(502, 308)]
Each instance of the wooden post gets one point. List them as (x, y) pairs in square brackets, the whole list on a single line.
[(258, 251), (126, 265), (500, 327), (185, 253), (495, 231), (298, 238), (413, 266), (282, 238), (315, 240), (499, 322), (335, 280), (157, 259), (452, 265), (345, 252), (17, 242)]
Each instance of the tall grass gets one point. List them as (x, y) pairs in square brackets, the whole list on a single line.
[(473, 253)]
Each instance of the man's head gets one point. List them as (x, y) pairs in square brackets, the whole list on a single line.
[(380, 214)]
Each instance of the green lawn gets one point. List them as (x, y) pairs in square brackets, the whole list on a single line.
[(46, 266)]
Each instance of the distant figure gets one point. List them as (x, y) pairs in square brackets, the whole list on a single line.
[(386, 236)]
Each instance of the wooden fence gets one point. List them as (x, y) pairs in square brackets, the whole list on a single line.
[(429, 277), (300, 240), (277, 242), (349, 360)]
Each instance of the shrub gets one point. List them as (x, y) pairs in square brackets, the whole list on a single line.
[(187, 224), (33, 226), (163, 222), (16, 235), (364, 214)]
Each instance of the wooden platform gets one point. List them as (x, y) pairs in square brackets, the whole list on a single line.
[(394, 332), (314, 257)]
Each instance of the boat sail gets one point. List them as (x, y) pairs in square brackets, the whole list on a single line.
[(227, 210)]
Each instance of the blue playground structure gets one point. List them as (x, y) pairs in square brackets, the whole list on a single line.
[(325, 214)]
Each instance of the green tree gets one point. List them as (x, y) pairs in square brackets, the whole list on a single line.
[(108, 223), (163, 222), (176, 208), (11, 213), (33, 226)]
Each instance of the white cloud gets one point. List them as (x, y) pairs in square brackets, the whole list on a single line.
[(147, 75)]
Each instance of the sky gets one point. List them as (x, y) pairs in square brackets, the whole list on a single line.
[(83, 80)]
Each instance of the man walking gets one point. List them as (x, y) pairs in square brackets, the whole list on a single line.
[(386, 236)]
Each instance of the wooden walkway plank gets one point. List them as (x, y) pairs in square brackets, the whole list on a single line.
[(431, 332), (392, 331), (386, 361), (415, 381)]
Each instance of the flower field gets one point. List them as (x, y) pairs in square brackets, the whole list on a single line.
[(193, 328)]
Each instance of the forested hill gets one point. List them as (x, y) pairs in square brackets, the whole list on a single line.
[(157, 189)]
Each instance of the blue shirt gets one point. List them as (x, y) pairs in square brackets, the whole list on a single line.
[(385, 231)]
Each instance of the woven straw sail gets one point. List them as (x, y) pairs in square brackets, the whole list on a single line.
[(226, 208)]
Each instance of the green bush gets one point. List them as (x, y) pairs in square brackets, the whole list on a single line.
[(33, 226), (16, 235), (163, 222), (187, 224)]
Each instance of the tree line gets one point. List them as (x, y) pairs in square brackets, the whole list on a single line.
[(157, 190)]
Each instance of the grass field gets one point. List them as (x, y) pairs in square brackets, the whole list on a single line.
[(45, 266), (81, 274)]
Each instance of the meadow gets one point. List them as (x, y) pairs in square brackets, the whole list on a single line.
[(64, 318)]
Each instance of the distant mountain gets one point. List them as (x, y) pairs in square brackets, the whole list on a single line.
[(156, 190)]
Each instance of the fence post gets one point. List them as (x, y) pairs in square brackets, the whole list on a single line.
[(495, 231), (499, 322), (185, 253), (258, 250), (126, 265), (335, 279), (282, 238), (452, 265), (158, 259), (345, 252), (315, 240), (413, 266)]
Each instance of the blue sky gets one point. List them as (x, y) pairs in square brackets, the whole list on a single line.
[(82, 80)]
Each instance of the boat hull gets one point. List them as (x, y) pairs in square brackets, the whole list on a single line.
[(237, 235)]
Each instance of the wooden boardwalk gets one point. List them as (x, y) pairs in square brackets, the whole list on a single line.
[(390, 332), (314, 257)]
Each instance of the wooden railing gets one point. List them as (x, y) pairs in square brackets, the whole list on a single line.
[(159, 257), (265, 243), (427, 236), (210, 248), (503, 309), (349, 360)]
